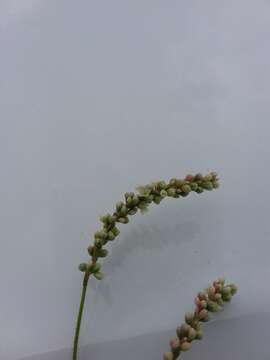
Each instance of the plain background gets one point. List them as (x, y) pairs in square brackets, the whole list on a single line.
[(97, 97)]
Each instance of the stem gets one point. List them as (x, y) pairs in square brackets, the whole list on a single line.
[(79, 317)]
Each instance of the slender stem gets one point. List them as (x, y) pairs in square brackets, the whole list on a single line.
[(79, 318)]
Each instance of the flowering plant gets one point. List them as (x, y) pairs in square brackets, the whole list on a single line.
[(134, 202)]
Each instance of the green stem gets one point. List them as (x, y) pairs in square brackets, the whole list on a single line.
[(79, 318)]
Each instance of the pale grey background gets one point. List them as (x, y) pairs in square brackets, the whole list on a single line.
[(97, 97)]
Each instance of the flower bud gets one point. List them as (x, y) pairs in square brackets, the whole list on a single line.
[(135, 200), (115, 231), (132, 211), (203, 304), (111, 235), (211, 291), (99, 275), (185, 346), (157, 199), (208, 177), (199, 190), (105, 218), (217, 296), (83, 267), (198, 177), (173, 181), (98, 243), (123, 220), (163, 193), (233, 288), (175, 345), (189, 178), (202, 295), (227, 297), (182, 330), (168, 356), (189, 317), (221, 281), (129, 201), (123, 210), (199, 335), (102, 253), (212, 306), (91, 250), (186, 188), (226, 290), (119, 205), (171, 192), (95, 267), (203, 315), (215, 184), (193, 186), (192, 334), (208, 185)]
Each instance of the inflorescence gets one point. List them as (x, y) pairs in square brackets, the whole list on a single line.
[(210, 300), (151, 193)]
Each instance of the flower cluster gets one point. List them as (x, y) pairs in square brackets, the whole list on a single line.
[(211, 300), (151, 193)]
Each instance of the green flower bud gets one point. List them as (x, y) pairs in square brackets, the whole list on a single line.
[(129, 201), (83, 267), (123, 220), (193, 186), (233, 288), (207, 185), (179, 183), (226, 290), (184, 194), (98, 243), (227, 297), (185, 346), (168, 356), (99, 275), (173, 182), (199, 335), (208, 178), (212, 306), (102, 253), (144, 191), (111, 235), (171, 191), (189, 317), (91, 250), (123, 210), (162, 185), (104, 218), (135, 200), (215, 184), (119, 206), (132, 211), (115, 231), (157, 199), (163, 193), (94, 268), (199, 190), (186, 188), (102, 234)]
